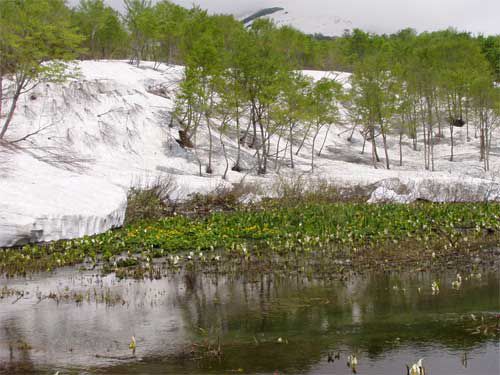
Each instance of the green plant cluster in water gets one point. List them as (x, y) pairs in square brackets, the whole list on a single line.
[(274, 228)]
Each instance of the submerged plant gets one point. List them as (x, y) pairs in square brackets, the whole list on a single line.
[(352, 362), (435, 288), (416, 368), (133, 345), (456, 284)]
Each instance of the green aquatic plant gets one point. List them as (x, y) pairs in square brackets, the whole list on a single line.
[(352, 362), (392, 231), (435, 288), (456, 284), (133, 344), (416, 369)]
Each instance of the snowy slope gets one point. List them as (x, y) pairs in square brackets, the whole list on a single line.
[(308, 19), (102, 133), (331, 17), (105, 131)]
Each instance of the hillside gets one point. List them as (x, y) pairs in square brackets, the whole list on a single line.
[(303, 19), (110, 128), (332, 17)]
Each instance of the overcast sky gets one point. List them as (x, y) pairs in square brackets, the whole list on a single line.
[(479, 16)]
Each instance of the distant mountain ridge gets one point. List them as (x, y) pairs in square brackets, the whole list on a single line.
[(261, 13), (324, 23)]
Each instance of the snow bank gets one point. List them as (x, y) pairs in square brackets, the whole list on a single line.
[(110, 128), (42, 203), (452, 189)]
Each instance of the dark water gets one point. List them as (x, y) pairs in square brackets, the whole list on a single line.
[(262, 324)]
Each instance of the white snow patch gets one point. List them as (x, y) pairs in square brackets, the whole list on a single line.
[(48, 204), (452, 189)]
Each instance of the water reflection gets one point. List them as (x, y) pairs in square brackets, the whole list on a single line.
[(262, 323)]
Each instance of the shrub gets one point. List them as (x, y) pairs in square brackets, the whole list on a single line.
[(223, 198), (151, 201), (299, 189)]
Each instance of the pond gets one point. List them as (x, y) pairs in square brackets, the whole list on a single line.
[(75, 321)]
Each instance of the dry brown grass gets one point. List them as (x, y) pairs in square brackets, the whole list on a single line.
[(151, 201), (302, 189)]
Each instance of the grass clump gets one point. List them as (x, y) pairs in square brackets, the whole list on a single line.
[(300, 189), (222, 199), (151, 201)]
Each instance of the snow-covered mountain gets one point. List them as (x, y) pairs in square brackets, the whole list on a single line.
[(323, 23), (332, 17)]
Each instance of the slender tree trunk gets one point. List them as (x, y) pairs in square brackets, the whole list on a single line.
[(424, 130), (485, 132), (386, 152), (481, 136), (318, 128), (467, 119), (432, 149), (324, 140), (401, 140), (438, 117), (451, 141), (12, 109), (400, 149), (277, 152), (430, 133), (352, 133), (414, 128), (268, 147), (303, 139), (224, 152), (245, 134), (374, 144), (488, 143), (291, 146), (374, 158), (263, 168), (451, 118), (371, 132), (209, 169), (254, 126), (238, 154), (196, 153), (475, 126)]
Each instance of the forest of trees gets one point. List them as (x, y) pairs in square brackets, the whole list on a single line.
[(246, 82)]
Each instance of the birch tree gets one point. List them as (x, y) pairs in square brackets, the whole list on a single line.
[(36, 40)]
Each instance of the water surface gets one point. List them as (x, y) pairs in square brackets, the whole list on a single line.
[(189, 322)]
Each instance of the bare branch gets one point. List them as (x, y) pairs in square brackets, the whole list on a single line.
[(31, 134)]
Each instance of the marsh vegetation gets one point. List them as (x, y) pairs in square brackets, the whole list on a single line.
[(284, 284)]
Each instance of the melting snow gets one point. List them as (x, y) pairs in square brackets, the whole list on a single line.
[(104, 131)]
